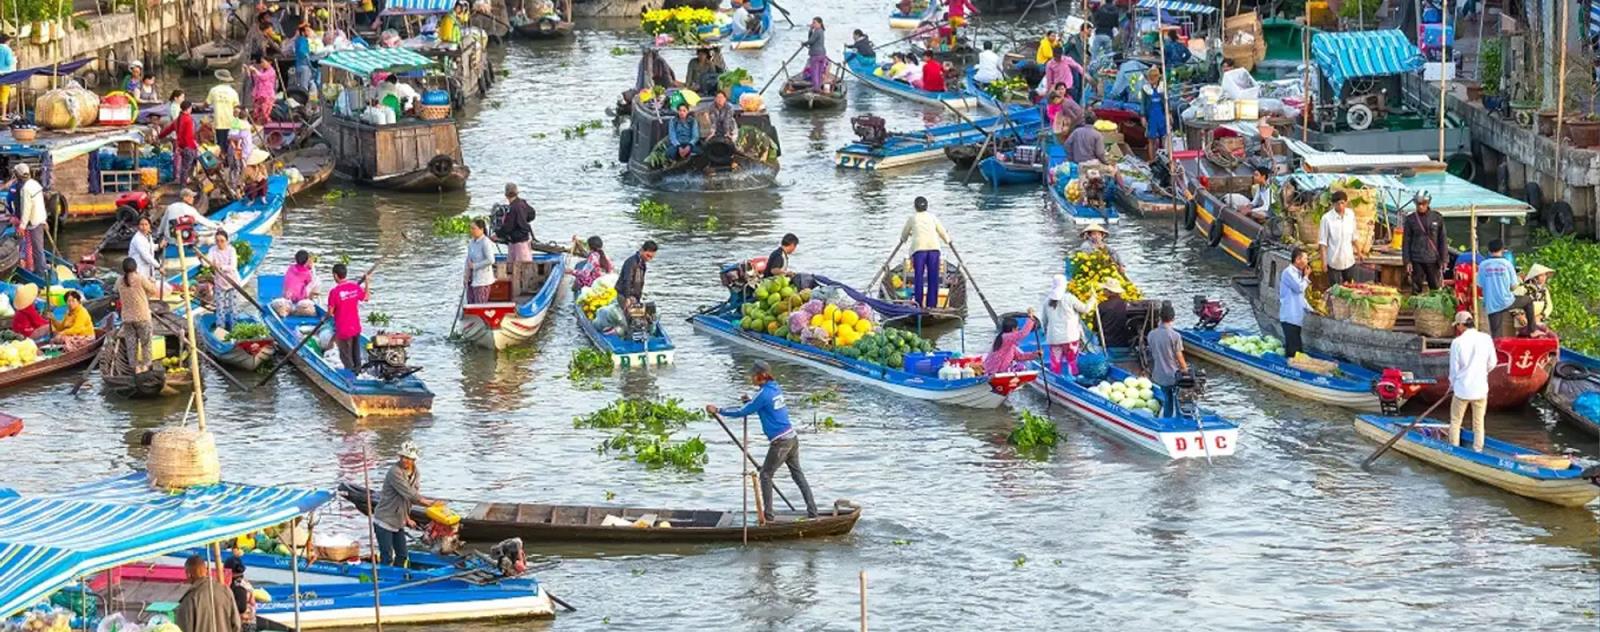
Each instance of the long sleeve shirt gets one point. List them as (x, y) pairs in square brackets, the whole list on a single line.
[(933, 76), (863, 47), (1424, 239), (27, 320), (401, 490), (924, 231), (1292, 303), (76, 323), (515, 227), (724, 121), (143, 251), (815, 44), (1001, 360), (207, 607), (1063, 323), (184, 127), (630, 281), (1472, 356), (768, 404), (225, 265), (1337, 237), (1086, 144), (1060, 71), (32, 206), (683, 131), (480, 261), (988, 67)]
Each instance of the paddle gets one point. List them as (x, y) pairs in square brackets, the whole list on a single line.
[(783, 11), (1396, 438), (749, 458), (211, 362), (988, 139), (784, 68), (313, 333), (874, 282), (986, 306)]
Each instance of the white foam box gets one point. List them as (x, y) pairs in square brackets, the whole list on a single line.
[(1431, 71)]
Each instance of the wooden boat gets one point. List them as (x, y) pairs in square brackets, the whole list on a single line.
[(1522, 369), (10, 251), (242, 219), (52, 364), (908, 21), (636, 349), (755, 40), (895, 287), (748, 162), (909, 148), (547, 26), (314, 164), (363, 395), (1078, 213), (514, 316), (413, 154), (96, 298), (864, 69), (536, 523), (1003, 169), (1350, 388), (798, 93), (212, 55), (169, 371), (10, 426), (1508, 466), (247, 354), (1574, 376)]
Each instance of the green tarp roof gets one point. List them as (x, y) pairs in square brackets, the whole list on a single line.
[(367, 62)]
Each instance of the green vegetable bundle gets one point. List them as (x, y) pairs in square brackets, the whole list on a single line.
[(1441, 300), (248, 331)]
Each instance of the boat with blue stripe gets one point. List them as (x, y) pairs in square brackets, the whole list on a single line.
[(1023, 165), (864, 68), (908, 21), (514, 315), (246, 217), (642, 350), (247, 354), (1508, 466), (1062, 172), (755, 40), (1350, 388), (908, 148), (362, 395), (259, 245), (988, 101), (63, 274), (1574, 390)]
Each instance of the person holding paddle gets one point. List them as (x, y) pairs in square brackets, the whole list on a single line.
[(925, 233), (783, 443)]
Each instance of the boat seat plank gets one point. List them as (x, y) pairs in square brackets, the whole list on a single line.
[(569, 516), (724, 520), (480, 511)]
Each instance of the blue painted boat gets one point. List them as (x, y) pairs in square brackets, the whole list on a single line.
[(755, 40), (241, 354), (1508, 466), (985, 100), (652, 350), (1003, 169), (245, 217), (1574, 390), (259, 245), (500, 324), (1056, 179), (64, 276), (361, 395), (864, 69), (909, 148), (712, 33), (908, 21), (1350, 388)]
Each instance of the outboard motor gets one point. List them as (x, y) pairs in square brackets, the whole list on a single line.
[(641, 320), (1209, 311), (871, 129), (388, 356), (497, 216), (1389, 387), (183, 231)]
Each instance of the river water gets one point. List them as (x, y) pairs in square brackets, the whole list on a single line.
[(959, 531)]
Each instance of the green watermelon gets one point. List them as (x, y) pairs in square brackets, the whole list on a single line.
[(896, 361)]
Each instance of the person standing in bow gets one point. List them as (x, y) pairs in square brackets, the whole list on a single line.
[(816, 72), (1472, 357), (1425, 247), (925, 233), (33, 220), (402, 490), (1292, 303), (480, 264), (225, 275), (783, 443), (516, 227)]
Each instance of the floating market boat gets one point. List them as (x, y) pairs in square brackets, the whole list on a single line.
[(748, 161), (247, 354), (643, 343), (800, 94), (1064, 177), (881, 150), (243, 219), (547, 26), (10, 250), (864, 68), (314, 164), (250, 250), (494, 522), (95, 297), (1511, 467), (988, 101), (412, 154), (514, 315), (169, 371), (753, 40), (951, 306), (927, 11), (1574, 390), (1023, 165), (1206, 435), (54, 359), (395, 390), (1348, 386)]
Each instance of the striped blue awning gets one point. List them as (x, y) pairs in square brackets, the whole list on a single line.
[(1344, 56), (365, 62), (1178, 6), (418, 7), (49, 540), (1594, 18)]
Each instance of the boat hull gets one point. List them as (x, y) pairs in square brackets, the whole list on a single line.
[(487, 325), (544, 29), (408, 607), (862, 68), (655, 351), (1560, 487), (906, 22), (1352, 392), (697, 176), (1174, 439), (423, 181)]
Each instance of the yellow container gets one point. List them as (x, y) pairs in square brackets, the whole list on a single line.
[(158, 347), (443, 515), (944, 297), (1398, 240), (149, 176), (1247, 109)]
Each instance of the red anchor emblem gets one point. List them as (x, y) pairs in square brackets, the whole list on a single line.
[(1525, 360)]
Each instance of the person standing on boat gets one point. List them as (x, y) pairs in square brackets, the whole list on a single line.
[(1472, 357), (1292, 303), (223, 99), (344, 302), (516, 227), (142, 249), (185, 147), (1336, 240), (225, 277), (988, 66), (480, 264), (1425, 247), (683, 134), (956, 11), (1060, 70), (630, 281), (783, 442), (8, 65), (32, 218), (1497, 278), (926, 233), (1063, 325), (778, 261), (207, 606), (1154, 104), (402, 489), (1167, 361), (244, 598), (134, 291), (263, 88), (817, 64)]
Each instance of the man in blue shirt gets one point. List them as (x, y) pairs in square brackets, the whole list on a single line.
[(1496, 278), (1292, 305), (8, 64), (783, 443)]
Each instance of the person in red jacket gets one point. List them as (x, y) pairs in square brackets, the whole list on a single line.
[(27, 322), (185, 149), (933, 75)]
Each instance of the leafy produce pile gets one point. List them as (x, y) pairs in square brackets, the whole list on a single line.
[(682, 24), (248, 331), (1035, 432), (599, 294), (18, 353), (1008, 89), (1133, 393), (1090, 270), (644, 429), (1254, 345), (1366, 296), (1442, 300), (1575, 288)]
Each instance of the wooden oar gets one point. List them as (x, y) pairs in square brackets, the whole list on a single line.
[(986, 306), (1396, 438), (747, 457), (313, 333), (783, 67), (879, 274)]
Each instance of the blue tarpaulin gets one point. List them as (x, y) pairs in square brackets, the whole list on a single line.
[(418, 7), (888, 310), (49, 540), (1177, 6), (1341, 57), (59, 70)]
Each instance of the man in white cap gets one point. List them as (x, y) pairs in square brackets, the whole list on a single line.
[(402, 489), (223, 99), (183, 208), (32, 217), (1472, 356), (1094, 238), (1538, 307)]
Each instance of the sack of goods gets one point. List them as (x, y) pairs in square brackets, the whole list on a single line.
[(1133, 393), (1307, 363), (599, 294)]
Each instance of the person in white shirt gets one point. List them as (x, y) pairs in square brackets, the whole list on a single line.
[(404, 93), (184, 207), (925, 233), (988, 65), (1061, 319), (1472, 356), (32, 217), (741, 18), (142, 249), (1336, 240)]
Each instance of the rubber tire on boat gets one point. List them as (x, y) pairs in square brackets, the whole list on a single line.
[(1533, 194), (1215, 236), (1558, 220), (1252, 255), (1359, 117), (1191, 214), (55, 206), (1462, 166), (441, 166), (625, 146), (1571, 371), (127, 215)]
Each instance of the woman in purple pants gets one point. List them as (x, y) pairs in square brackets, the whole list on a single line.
[(817, 65), (926, 234)]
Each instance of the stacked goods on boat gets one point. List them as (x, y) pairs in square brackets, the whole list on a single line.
[(1304, 214), (599, 294), (1367, 304), (1434, 312), (1133, 393), (1253, 345), (1088, 272), (1087, 187), (891, 348), (19, 352), (684, 25)]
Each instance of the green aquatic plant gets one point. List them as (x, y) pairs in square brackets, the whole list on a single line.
[(643, 429), (378, 319), (658, 215), (1035, 432), (453, 225), (589, 362), (1575, 288)]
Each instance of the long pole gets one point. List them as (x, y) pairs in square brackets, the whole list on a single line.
[(879, 274), (1305, 79), (294, 575), (783, 67), (749, 459), (372, 541), (986, 306), (863, 577), (1473, 291), (194, 373), (1561, 95), (744, 486), (1446, 31)]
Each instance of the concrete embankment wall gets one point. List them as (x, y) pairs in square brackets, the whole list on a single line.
[(117, 38)]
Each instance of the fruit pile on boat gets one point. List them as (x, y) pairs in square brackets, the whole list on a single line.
[(1134, 393)]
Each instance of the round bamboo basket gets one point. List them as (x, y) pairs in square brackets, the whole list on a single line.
[(183, 457), (433, 112), (1433, 324)]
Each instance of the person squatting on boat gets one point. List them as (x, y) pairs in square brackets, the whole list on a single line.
[(1005, 355), (778, 261), (925, 233), (1472, 356), (402, 489), (300, 288), (783, 442)]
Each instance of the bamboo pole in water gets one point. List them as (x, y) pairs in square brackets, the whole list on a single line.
[(744, 490), (1561, 96), (863, 577), (1446, 31), (199, 397)]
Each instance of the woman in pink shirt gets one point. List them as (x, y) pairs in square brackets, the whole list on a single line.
[(1005, 356), (300, 288), (263, 88), (1060, 70), (599, 264)]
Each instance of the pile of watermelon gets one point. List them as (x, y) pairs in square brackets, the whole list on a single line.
[(887, 347)]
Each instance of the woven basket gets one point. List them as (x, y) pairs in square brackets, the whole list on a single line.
[(1338, 308), (182, 458), (336, 548), (24, 134), (1434, 324), (433, 112), (1381, 317)]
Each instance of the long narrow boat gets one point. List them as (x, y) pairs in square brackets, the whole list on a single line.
[(908, 148), (1508, 466), (314, 164), (1350, 388), (247, 354), (93, 290), (1077, 213), (362, 395), (246, 217), (756, 40), (908, 21), (537, 523), (864, 69), (1209, 435), (55, 364), (1576, 376), (1003, 169), (514, 315), (642, 350), (259, 247)]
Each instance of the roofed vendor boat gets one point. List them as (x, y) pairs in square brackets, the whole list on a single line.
[(747, 161), (1520, 470), (520, 300), (419, 154), (539, 523), (1574, 390)]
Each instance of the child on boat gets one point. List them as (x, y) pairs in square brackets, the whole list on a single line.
[(1004, 356)]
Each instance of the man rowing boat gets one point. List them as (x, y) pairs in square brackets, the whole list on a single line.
[(783, 443)]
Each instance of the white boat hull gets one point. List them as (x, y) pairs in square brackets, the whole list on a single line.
[(512, 331), (520, 607), (1572, 492), (867, 162), (1173, 445)]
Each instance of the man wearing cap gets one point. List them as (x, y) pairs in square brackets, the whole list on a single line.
[(223, 99), (1472, 356), (925, 233), (402, 488), (1425, 248), (1094, 239), (1535, 288), (783, 443), (1292, 303), (207, 606), (183, 208), (31, 216)]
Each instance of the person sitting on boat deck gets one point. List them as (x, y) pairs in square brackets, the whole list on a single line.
[(32, 221), (862, 45), (1086, 146), (778, 261), (516, 227), (1167, 361), (224, 262), (742, 24), (783, 442), (300, 288), (703, 71), (933, 75), (147, 92), (1497, 278), (724, 118), (75, 330), (683, 134), (630, 280), (1063, 325), (135, 77), (1426, 249), (1336, 240), (599, 264), (909, 71), (26, 320), (402, 92), (1113, 312), (988, 66), (134, 291), (344, 302), (207, 605), (1292, 303), (925, 232), (1259, 204), (181, 210), (223, 100), (402, 489), (816, 72), (1175, 52), (1156, 117), (185, 148), (244, 598), (1472, 357), (1004, 354), (480, 264), (1536, 288), (1093, 239)]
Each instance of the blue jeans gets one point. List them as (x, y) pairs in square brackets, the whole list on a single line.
[(391, 546), (925, 278), (1169, 401)]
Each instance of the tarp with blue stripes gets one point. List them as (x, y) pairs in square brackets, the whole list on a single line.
[(1341, 57), (365, 62), (1177, 6), (418, 7), (49, 540)]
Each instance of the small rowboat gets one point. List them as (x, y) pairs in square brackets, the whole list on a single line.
[(802, 96), (362, 395), (544, 27), (1508, 466), (1575, 376), (1350, 388), (639, 350), (242, 354), (212, 55), (953, 289), (908, 21), (755, 40), (931, 144), (245, 217), (863, 68), (259, 246), (508, 320), (159, 379), (315, 164), (1003, 169), (9, 425), (1080, 214), (493, 522)]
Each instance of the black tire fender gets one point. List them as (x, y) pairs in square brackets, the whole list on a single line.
[(441, 165), (1533, 194), (625, 145), (1191, 214), (1215, 236), (1558, 220)]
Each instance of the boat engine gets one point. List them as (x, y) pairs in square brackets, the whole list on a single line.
[(871, 129), (442, 539), (1389, 387), (88, 266), (509, 557), (183, 231), (388, 356), (1209, 311), (641, 319)]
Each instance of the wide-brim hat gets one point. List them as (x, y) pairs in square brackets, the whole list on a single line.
[(223, 75), (1113, 286), (24, 296), (1536, 270), (1094, 227), (257, 157), (409, 450)]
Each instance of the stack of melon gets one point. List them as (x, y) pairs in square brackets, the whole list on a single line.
[(1133, 393), (769, 310), (887, 347), (1254, 345)]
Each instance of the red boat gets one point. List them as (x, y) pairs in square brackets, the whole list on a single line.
[(9, 425)]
